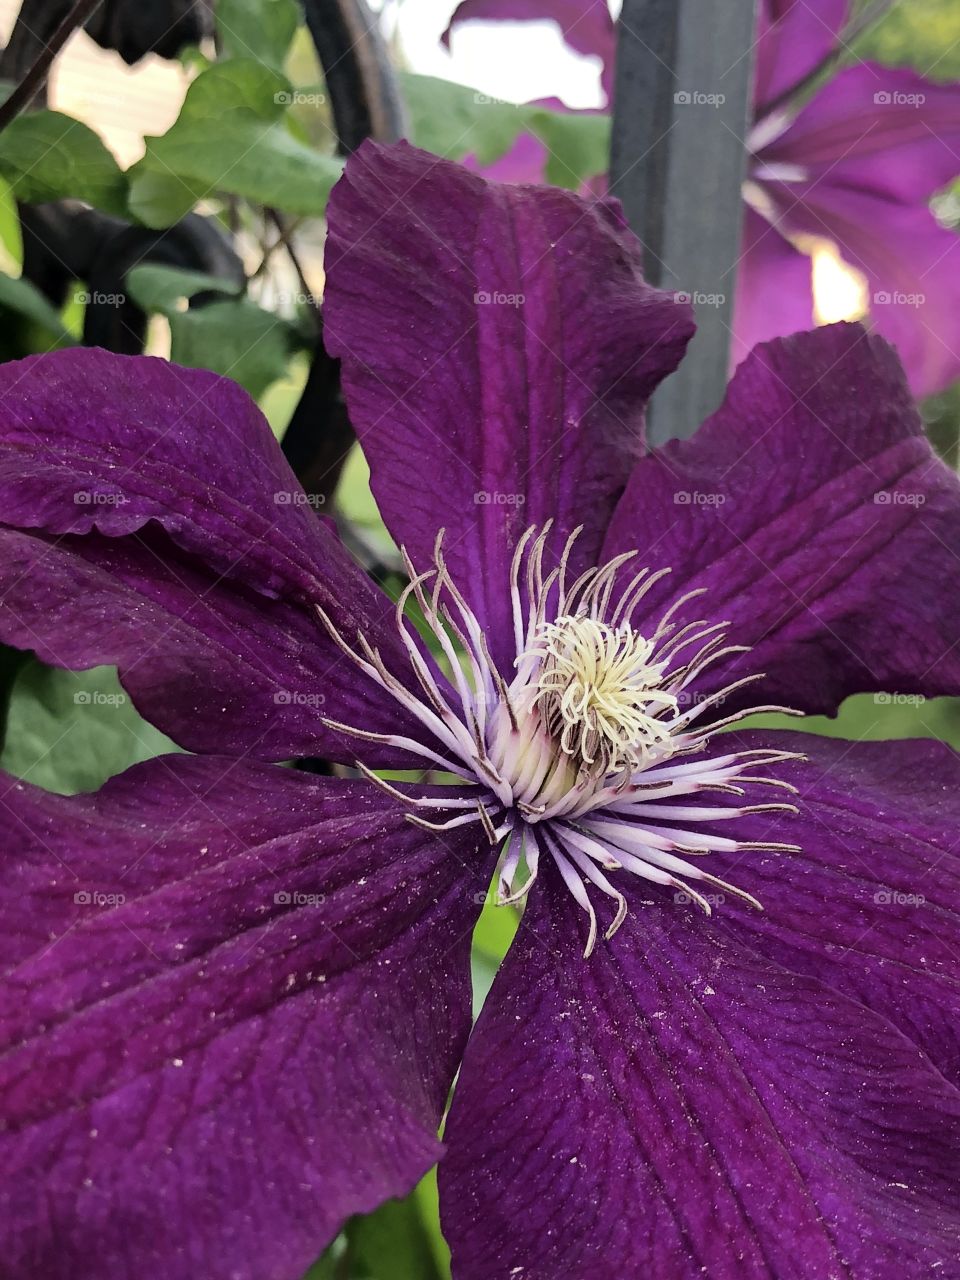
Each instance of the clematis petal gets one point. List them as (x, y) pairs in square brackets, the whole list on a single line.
[(233, 1000), (153, 522), (91, 440), (816, 516), (498, 345), (696, 1110), (882, 129), (871, 904), (793, 38), (774, 295), (525, 162), (910, 263)]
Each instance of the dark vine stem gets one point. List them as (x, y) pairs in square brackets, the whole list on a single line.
[(36, 74), (365, 102), (286, 239)]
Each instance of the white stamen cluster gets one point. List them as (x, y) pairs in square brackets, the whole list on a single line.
[(579, 756)]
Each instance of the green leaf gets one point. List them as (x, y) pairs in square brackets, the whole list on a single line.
[(25, 299), (428, 1199), (236, 338), (69, 731), (48, 156), (165, 289), (11, 661), (924, 34), (231, 137), (392, 1244), (10, 235), (578, 145), (453, 121), (870, 717), (260, 29)]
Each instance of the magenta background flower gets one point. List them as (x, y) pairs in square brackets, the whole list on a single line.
[(856, 165), (235, 997)]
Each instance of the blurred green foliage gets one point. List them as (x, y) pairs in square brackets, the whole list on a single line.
[(923, 34)]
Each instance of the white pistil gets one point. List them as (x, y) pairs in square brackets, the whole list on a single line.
[(584, 752)]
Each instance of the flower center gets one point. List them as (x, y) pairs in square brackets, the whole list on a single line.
[(599, 693), (601, 728)]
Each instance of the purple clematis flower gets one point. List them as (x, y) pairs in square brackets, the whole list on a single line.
[(235, 997), (856, 166)]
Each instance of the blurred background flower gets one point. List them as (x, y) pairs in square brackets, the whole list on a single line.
[(843, 164)]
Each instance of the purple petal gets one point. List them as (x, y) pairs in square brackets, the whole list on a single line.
[(90, 440), (812, 509), (774, 288), (498, 345), (885, 129), (911, 263), (871, 906), (678, 1107), (794, 37), (586, 25), (233, 1002), (156, 525), (525, 162)]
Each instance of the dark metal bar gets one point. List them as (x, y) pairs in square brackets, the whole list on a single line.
[(678, 159)]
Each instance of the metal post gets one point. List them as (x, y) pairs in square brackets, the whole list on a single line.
[(681, 107)]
